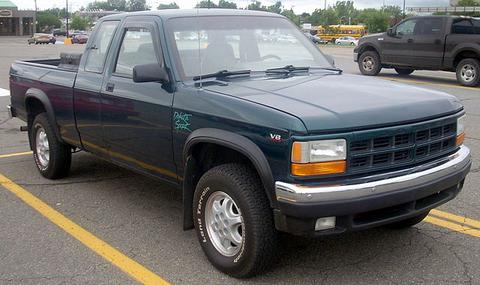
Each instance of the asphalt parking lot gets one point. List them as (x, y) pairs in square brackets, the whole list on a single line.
[(107, 225)]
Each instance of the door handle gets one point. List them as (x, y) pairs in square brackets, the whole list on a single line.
[(410, 41), (110, 87)]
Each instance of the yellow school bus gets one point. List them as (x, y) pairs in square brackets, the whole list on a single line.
[(333, 32)]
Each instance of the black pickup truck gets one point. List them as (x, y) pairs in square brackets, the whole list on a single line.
[(446, 43), (259, 136)]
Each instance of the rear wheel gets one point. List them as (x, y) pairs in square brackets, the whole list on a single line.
[(468, 72), (369, 63), (404, 71), (234, 222), (52, 157), (409, 222)]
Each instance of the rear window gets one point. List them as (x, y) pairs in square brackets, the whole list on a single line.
[(462, 26), (429, 26)]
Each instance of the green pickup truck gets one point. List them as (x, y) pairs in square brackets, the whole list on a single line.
[(251, 121)]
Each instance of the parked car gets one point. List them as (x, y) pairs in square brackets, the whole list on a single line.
[(79, 38), (448, 43), (242, 130), (39, 38), (315, 39), (346, 41), (59, 32)]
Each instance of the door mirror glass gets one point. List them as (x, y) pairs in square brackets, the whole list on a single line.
[(151, 72), (390, 32)]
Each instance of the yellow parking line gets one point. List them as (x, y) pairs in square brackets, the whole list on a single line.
[(120, 260), (15, 154), (429, 83), (454, 218), (452, 226)]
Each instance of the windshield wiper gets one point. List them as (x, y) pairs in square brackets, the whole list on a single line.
[(221, 74), (291, 68)]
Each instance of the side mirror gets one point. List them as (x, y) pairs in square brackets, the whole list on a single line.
[(330, 59), (152, 72), (390, 32)]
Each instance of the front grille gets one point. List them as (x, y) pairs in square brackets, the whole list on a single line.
[(403, 146)]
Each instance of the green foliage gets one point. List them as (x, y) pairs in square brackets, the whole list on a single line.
[(206, 4), (80, 23), (256, 5), (47, 21), (291, 16), (172, 5), (226, 4), (137, 5), (468, 3), (109, 5)]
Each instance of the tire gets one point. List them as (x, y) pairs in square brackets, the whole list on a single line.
[(258, 237), (468, 72), (55, 161), (404, 71), (409, 222), (369, 63)]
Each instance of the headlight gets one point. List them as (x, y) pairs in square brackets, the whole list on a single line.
[(319, 157), (461, 129)]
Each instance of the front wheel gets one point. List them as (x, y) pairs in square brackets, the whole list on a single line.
[(52, 157), (468, 72), (404, 71), (234, 221), (369, 63)]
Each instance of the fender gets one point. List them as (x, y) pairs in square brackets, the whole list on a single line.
[(371, 45), (43, 98), (230, 140), (469, 47)]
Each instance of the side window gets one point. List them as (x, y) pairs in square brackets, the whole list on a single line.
[(98, 52), (137, 49), (476, 26), (406, 28), (429, 26), (462, 26)]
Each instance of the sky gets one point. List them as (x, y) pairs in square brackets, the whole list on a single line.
[(299, 6)]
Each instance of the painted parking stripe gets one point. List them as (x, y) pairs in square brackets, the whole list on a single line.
[(4, 92), (461, 228), (456, 219), (114, 256), (15, 154)]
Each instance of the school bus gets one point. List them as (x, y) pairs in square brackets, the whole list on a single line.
[(333, 32)]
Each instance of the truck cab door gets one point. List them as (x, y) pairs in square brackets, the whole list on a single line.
[(88, 84), (396, 46), (137, 116), (428, 43)]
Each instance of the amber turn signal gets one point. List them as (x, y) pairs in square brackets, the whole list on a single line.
[(320, 168), (460, 139)]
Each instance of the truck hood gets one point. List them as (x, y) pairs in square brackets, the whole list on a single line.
[(328, 103)]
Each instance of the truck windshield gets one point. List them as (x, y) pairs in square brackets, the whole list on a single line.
[(209, 44)]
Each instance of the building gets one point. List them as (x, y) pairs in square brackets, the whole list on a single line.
[(14, 22)]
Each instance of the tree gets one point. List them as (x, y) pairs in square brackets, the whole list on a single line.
[(275, 8), (47, 21), (291, 16), (206, 4), (468, 3), (79, 23), (257, 5), (109, 5), (376, 20), (172, 5), (227, 5), (137, 5)]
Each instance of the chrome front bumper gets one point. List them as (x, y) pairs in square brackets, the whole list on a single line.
[(304, 194)]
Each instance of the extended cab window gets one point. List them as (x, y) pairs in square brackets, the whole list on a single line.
[(429, 26), (98, 52), (462, 26), (406, 28), (137, 49)]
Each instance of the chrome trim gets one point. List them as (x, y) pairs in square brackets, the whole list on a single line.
[(295, 193), (9, 110)]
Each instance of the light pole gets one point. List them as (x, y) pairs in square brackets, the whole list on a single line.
[(404, 9), (66, 14)]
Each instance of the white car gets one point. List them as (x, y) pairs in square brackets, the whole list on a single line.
[(346, 41)]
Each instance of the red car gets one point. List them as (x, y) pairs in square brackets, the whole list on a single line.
[(80, 38)]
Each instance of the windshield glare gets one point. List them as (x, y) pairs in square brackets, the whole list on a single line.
[(208, 44)]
